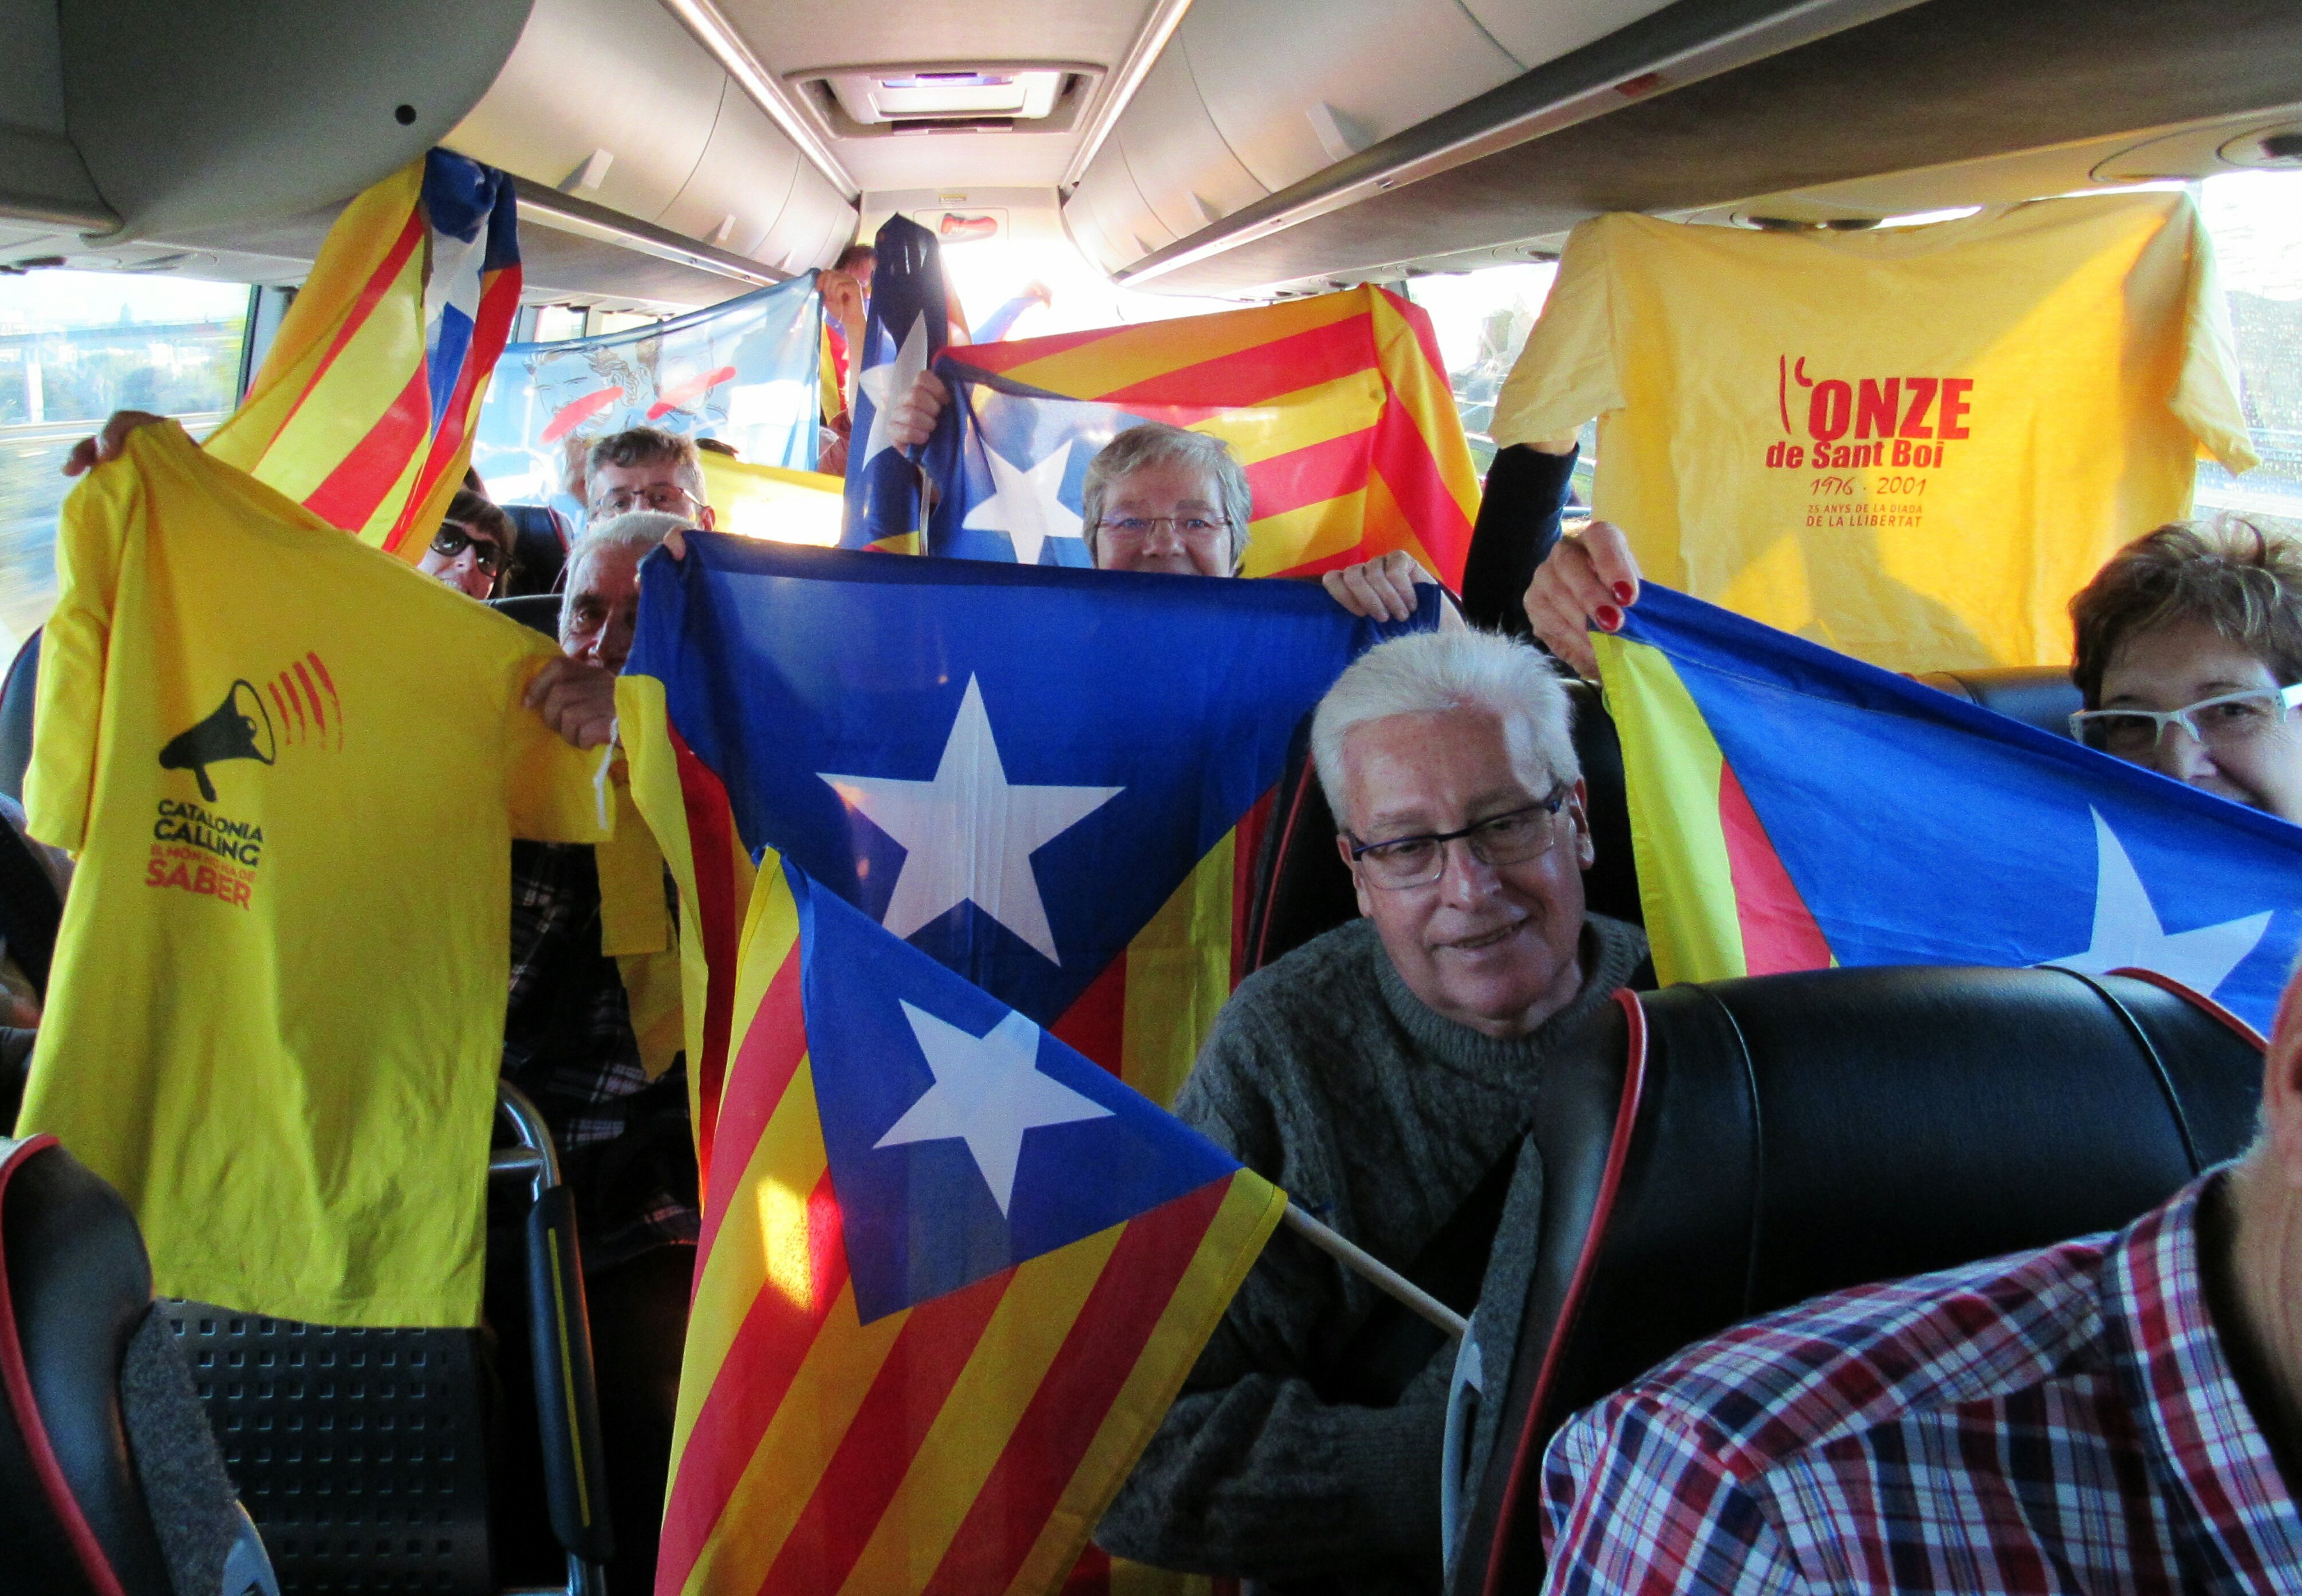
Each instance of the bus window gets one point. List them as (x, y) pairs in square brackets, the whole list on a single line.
[(2256, 218), (75, 347), (1481, 319)]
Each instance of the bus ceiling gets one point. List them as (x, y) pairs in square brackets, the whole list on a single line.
[(673, 153)]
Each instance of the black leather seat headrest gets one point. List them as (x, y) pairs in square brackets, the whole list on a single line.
[(18, 691), (1712, 1153), (539, 612), (2043, 696)]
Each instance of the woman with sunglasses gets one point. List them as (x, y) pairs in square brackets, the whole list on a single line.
[(2189, 655), (472, 549)]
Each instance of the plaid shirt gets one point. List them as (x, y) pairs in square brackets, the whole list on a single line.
[(2059, 1421), (624, 1141)]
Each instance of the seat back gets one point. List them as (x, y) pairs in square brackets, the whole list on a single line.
[(2043, 696), (110, 1484), (1302, 888), (17, 689), (1712, 1153), (538, 611), (539, 552)]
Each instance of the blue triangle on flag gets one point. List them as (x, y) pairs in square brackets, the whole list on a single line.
[(961, 1137)]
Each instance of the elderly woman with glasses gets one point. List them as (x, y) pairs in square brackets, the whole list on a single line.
[(1159, 498), (1386, 1072), (2189, 655)]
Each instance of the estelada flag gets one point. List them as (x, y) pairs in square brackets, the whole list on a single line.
[(1051, 781), (1793, 808), (1337, 407), (363, 410), (905, 326), (951, 1276)]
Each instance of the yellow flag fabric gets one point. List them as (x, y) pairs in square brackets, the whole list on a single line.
[(292, 768), (770, 502), (1911, 445)]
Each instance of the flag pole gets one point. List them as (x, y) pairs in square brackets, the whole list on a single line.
[(1377, 1273)]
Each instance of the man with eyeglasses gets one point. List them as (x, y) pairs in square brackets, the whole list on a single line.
[(643, 468), (1385, 1073), (472, 549)]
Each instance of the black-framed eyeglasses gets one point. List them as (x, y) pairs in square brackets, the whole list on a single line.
[(1505, 839), (1135, 528), (453, 538)]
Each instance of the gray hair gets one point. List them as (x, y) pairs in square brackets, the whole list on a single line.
[(1155, 443), (1428, 672), (638, 529), (646, 446)]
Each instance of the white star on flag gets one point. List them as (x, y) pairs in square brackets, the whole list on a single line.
[(987, 1092), (1027, 505), (2128, 934), (967, 836), (890, 379), (454, 278)]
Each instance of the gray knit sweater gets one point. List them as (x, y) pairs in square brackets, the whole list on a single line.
[(1379, 1116)]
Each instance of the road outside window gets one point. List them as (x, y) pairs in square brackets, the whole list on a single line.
[(75, 347)]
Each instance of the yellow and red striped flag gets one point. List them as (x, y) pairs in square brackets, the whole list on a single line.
[(1338, 405), (362, 411), (951, 1276)]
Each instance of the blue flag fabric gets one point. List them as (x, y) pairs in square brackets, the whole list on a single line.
[(1920, 828), (1014, 768), (962, 1139), (906, 328), (1011, 461)]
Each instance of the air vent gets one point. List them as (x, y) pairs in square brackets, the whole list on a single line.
[(966, 94), (952, 125)]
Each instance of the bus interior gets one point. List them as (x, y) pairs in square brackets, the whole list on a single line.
[(169, 170)]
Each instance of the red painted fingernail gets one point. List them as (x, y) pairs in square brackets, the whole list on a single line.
[(1609, 618), (1625, 592)]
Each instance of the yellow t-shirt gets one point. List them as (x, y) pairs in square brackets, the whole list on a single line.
[(1912, 445), (292, 768)]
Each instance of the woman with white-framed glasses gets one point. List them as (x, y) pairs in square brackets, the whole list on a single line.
[(2188, 657)]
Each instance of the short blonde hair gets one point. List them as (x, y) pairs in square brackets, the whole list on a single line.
[(1155, 443)]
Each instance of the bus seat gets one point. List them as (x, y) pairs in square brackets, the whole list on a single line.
[(362, 1453), (537, 612), (2039, 695), (1711, 1152), (109, 1479), (540, 552), (17, 692), (1302, 888)]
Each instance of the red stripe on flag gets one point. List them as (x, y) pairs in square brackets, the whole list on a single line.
[(571, 416), (353, 489), (1092, 1576), (1252, 376), (746, 1390), (711, 843), (1247, 848), (1096, 1024), (1778, 930), (490, 331), (1418, 320), (769, 1055), (1004, 357), (1404, 458), (412, 233), (1099, 1353), (1311, 473), (850, 1497)]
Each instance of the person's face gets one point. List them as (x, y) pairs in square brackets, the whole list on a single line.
[(618, 490), (1166, 493), (1493, 947), (465, 558), (602, 607), (2176, 665)]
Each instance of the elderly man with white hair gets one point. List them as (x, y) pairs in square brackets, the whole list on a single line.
[(1381, 1073)]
